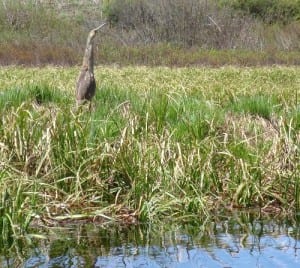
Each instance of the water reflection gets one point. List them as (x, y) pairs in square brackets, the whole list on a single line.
[(228, 242)]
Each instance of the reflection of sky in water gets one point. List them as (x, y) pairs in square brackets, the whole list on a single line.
[(273, 252), (273, 248)]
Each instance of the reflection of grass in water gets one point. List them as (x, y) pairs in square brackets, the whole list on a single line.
[(159, 143), (74, 242)]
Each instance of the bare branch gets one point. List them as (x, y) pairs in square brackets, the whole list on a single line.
[(214, 22)]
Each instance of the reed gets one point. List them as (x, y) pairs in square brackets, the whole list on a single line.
[(159, 143)]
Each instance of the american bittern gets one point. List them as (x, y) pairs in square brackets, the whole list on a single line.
[(86, 84)]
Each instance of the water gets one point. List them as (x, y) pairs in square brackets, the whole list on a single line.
[(234, 241)]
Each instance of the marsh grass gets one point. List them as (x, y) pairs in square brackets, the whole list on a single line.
[(294, 117), (38, 94), (257, 105), (159, 143)]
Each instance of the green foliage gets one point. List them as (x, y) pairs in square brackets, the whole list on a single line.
[(271, 11), (15, 217), (37, 94), (295, 118), (111, 10), (259, 105)]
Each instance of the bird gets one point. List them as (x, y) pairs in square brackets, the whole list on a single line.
[(86, 83)]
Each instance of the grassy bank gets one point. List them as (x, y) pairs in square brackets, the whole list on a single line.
[(160, 143)]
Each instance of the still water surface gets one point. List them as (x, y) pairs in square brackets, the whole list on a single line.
[(234, 241)]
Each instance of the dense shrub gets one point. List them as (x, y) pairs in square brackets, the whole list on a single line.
[(187, 23), (270, 11), (171, 32), (25, 21)]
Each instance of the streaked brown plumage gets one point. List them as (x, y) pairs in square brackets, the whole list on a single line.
[(86, 84)]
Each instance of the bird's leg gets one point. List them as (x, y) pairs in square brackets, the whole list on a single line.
[(90, 105)]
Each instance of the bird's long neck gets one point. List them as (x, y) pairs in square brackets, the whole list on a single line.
[(88, 59)]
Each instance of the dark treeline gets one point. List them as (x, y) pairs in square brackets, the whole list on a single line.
[(156, 32)]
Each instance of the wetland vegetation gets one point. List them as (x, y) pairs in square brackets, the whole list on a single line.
[(178, 143), (160, 143)]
